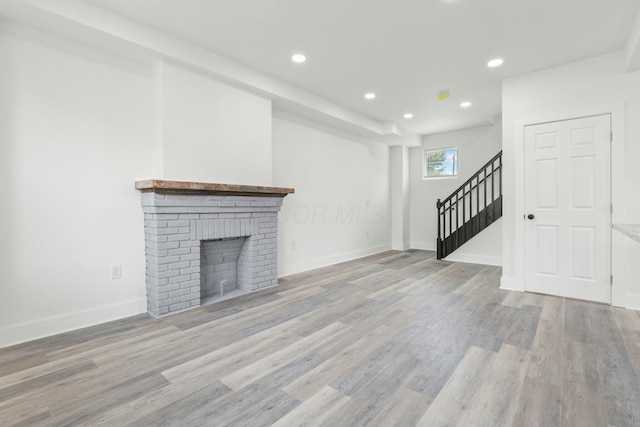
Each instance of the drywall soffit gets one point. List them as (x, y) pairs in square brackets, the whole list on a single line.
[(75, 20)]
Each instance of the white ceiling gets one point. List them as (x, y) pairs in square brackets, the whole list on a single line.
[(403, 50)]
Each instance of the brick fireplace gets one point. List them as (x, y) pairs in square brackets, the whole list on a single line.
[(196, 232)]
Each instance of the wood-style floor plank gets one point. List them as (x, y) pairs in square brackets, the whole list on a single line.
[(252, 372), (539, 404), (314, 380), (500, 394), (316, 410), (462, 389), (393, 339), (547, 358), (581, 393)]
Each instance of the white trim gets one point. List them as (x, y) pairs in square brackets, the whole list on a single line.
[(17, 334), (617, 112), (508, 284), (439, 177), (475, 259), (619, 297), (424, 163), (622, 269), (424, 246), (400, 246), (300, 267), (632, 302), (460, 257)]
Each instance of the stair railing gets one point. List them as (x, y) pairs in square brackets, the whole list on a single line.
[(471, 208)]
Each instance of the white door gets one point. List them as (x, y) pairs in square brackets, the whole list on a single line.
[(567, 208)]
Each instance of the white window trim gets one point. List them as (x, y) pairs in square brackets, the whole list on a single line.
[(424, 163)]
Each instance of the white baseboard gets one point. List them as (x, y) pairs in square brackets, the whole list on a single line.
[(401, 246), (299, 267), (425, 246), (475, 259), (631, 302), (509, 284), (460, 257), (17, 334)]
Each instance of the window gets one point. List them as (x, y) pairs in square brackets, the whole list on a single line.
[(441, 163)]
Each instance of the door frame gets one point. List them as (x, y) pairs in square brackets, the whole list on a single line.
[(618, 184)]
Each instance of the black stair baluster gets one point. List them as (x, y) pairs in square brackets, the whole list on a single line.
[(477, 230), (439, 241), (457, 223), (464, 213), (448, 231), (486, 222), (500, 180), (493, 199), (470, 227)]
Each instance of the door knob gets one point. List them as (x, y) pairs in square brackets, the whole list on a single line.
[(531, 216)]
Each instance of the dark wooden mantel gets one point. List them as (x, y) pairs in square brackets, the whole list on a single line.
[(204, 188)]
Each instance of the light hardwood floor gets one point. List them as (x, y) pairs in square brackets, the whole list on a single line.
[(395, 339)]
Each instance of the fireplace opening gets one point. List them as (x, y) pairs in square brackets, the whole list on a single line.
[(219, 278)]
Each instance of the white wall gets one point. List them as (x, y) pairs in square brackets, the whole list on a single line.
[(340, 209), (212, 132), (74, 136), (476, 146), (594, 86), (77, 128), (626, 270), (399, 181)]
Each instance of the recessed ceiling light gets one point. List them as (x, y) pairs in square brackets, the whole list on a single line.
[(369, 95), (408, 116), (298, 58), (495, 63), (465, 104)]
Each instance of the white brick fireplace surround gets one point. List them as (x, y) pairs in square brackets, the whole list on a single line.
[(180, 216)]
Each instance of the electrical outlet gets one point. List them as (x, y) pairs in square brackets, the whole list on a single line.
[(116, 272), (367, 234), (293, 245)]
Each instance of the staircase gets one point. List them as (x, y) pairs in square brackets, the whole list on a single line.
[(474, 206)]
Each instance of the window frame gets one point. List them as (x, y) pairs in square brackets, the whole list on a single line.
[(425, 163)]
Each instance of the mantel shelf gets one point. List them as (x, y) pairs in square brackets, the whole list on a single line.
[(630, 230), (205, 188)]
